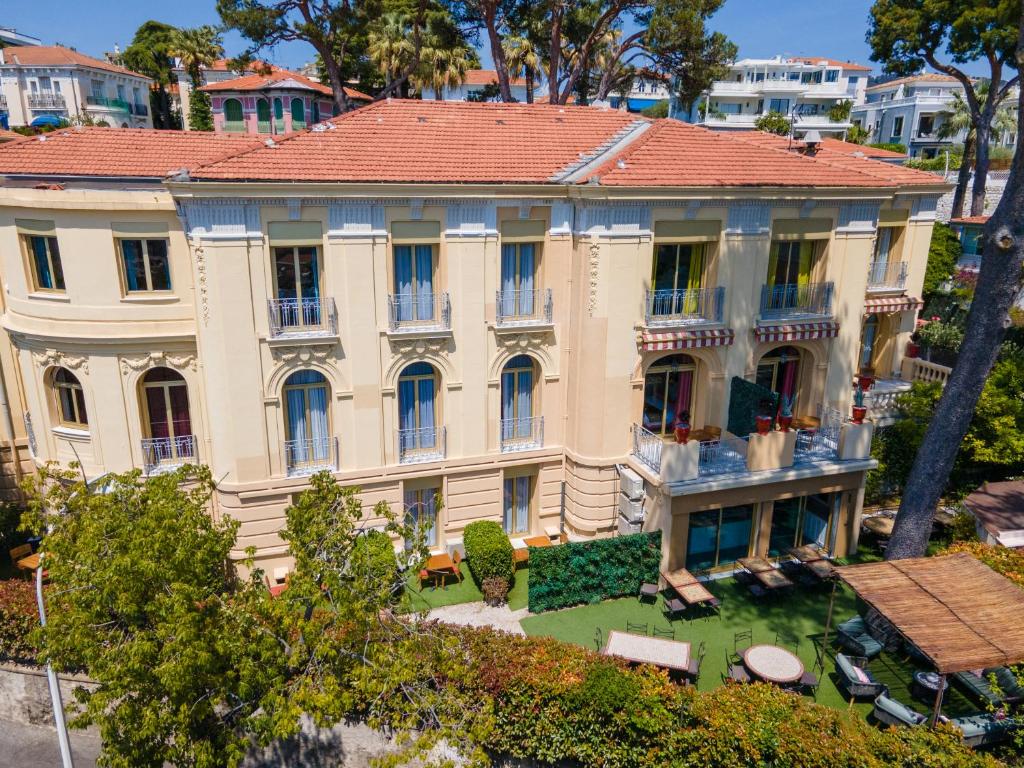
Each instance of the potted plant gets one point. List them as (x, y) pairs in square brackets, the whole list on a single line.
[(786, 413), (763, 421), (866, 377), (682, 428), (859, 409), (913, 346)]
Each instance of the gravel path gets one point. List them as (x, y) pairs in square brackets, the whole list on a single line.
[(480, 614)]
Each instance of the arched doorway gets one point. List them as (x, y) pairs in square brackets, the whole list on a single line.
[(668, 393), (419, 436), (779, 371), (262, 116), (167, 420), (521, 428), (307, 421), (298, 111)]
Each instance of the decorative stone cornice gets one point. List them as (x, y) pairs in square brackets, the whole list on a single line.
[(302, 353), (348, 219), (213, 219), (858, 218), (527, 338), (749, 218), (142, 362), (420, 345), (471, 219), (632, 219), (51, 357)]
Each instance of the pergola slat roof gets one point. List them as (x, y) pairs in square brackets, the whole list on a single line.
[(960, 613)]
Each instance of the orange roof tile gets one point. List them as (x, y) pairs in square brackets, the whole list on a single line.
[(926, 77), (6, 135), (117, 152), (849, 148), (832, 62), (277, 78), (486, 76), (59, 56)]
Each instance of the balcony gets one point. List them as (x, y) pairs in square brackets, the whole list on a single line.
[(886, 276), (102, 101), (700, 306), (421, 444), (524, 434), (821, 444), (45, 101), (412, 313), (514, 309), (723, 456), (291, 318), (3, 103), (793, 300), (163, 454), (305, 457), (647, 448)]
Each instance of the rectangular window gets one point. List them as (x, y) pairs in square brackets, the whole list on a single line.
[(518, 279), (779, 105), (517, 504), (120, 92), (799, 521), (146, 266), (45, 83), (718, 537), (97, 89), (45, 266), (897, 127), (832, 76), (414, 282), (790, 262), (421, 513)]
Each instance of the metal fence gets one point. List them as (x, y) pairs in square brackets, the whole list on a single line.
[(790, 299), (821, 444), (304, 457), (524, 307), (302, 316), (522, 434), (887, 276), (422, 444), (722, 456), (160, 453), (647, 447), (413, 311), (699, 305)]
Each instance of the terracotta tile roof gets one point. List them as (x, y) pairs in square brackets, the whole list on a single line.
[(431, 141), (59, 56), (998, 506), (278, 78), (976, 220), (117, 152), (927, 77), (672, 153), (6, 135), (849, 148), (485, 76), (832, 63)]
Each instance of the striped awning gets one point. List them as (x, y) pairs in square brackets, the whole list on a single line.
[(659, 341), (823, 329), (886, 304)]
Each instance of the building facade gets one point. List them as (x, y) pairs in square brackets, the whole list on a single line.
[(647, 89), (805, 89), (513, 325), (476, 80), (43, 84)]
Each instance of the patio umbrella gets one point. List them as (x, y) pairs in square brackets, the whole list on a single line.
[(42, 120)]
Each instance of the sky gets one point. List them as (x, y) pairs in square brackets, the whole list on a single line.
[(832, 28)]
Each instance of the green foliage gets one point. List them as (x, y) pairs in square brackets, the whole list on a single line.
[(773, 122), (840, 111), (747, 401), (374, 556), (856, 134), (937, 334), (963, 527), (10, 520), (936, 164), (200, 116), (656, 110), (591, 571), (489, 92), (891, 146), (495, 590), (943, 253), (150, 54), (19, 617), (488, 551)]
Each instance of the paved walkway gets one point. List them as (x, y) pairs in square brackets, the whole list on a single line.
[(480, 614), (33, 746)]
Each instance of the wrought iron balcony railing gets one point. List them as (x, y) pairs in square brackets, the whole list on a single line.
[(302, 317), (514, 308), (304, 457), (45, 101), (421, 444), (795, 299), (165, 453), (723, 456), (523, 434), (685, 307), (647, 448), (419, 311), (887, 276)]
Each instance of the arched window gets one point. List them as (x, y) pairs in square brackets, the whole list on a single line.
[(779, 371), (234, 120), (519, 427), (278, 116), (298, 114), (668, 393), (316, 111), (307, 421), (262, 116), (70, 399), (418, 433), (167, 422)]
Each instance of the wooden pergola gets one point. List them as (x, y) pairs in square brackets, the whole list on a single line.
[(958, 612)]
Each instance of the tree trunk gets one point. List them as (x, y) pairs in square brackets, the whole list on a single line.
[(998, 284), (555, 52), (963, 177), (490, 9), (983, 133), (529, 87), (337, 87)]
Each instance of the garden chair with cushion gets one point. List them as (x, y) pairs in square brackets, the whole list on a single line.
[(648, 592), (674, 607), (855, 678), (892, 712), (984, 728), (854, 636), (737, 674), (978, 685), (693, 669)]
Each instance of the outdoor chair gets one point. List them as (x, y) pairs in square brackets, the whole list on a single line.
[(457, 559), (892, 712), (737, 674), (714, 608), (667, 633), (855, 678), (979, 687), (439, 577), (674, 607), (637, 628), (791, 568), (810, 680), (598, 639), (18, 552), (853, 635), (648, 591), (743, 578), (984, 728), (740, 642), (693, 670), (757, 591)]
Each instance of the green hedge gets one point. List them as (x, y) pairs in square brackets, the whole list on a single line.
[(488, 551), (892, 146), (591, 571)]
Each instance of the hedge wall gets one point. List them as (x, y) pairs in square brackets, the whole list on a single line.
[(592, 571)]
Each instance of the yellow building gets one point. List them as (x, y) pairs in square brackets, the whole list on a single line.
[(509, 306)]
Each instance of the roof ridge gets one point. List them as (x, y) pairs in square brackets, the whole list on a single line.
[(657, 127), (615, 144)]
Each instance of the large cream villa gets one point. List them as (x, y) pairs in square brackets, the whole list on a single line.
[(508, 306)]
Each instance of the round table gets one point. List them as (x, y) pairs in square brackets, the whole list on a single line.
[(772, 663), (926, 685)]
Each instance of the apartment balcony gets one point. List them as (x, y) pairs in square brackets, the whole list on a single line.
[(524, 434), (515, 309), (104, 102), (419, 313), (3, 103), (723, 456), (699, 306), (647, 448), (306, 457), (163, 454), (887, 276), (292, 318), (420, 445), (793, 301), (45, 101)]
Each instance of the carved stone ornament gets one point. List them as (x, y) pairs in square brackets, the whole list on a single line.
[(420, 345), (595, 273), (525, 339), (49, 357), (302, 353), (158, 360)]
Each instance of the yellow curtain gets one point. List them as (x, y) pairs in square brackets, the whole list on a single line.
[(773, 263), (806, 253), (694, 275)]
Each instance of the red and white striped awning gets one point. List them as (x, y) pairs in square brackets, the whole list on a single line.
[(825, 329), (651, 341), (886, 304)]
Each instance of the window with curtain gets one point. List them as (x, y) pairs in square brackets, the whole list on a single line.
[(790, 262), (883, 242), (421, 513), (417, 408), (146, 266), (307, 418), (517, 382), (779, 371), (46, 269), (668, 393), (799, 521), (414, 282), (518, 279), (234, 119), (165, 396), (70, 399), (278, 116), (718, 537), (262, 116), (516, 515), (678, 274), (297, 285), (868, 336), (298, 114)]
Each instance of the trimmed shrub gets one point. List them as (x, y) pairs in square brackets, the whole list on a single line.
[(592, 571), (18, 617), (488, 551), (495, 590), (892, 146)]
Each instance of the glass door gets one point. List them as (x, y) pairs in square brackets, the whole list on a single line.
[(417, 408), (518, 278), (718, 537), (414, 282), (297, 285), (421, 513), (678, 271), (517, 398), (306, 419), (516, 516)]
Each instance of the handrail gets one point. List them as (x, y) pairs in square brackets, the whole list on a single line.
[(421, 444), (789, 299), (159, 453), (887, 275), (647, 447), (306, 456), (521, 307), (697, 305), (313, 316), (523, 434), (415, 311)]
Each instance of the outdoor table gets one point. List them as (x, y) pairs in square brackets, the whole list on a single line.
[(706, 434), (29, 563), (765, 572), (537, 541), (880, 525), (808, 553), (441, 562), (679, 578), (661, 652), (772, 663), (926, 685), (694, 593)]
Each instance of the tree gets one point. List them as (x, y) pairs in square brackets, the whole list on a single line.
[(998, 284), (773, 122), (524, 60), (389, 46), (944, 252), (907, 34), (150, 54), (855, 134), (197, 49)]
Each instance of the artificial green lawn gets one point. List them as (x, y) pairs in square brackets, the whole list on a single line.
[(465, 591)]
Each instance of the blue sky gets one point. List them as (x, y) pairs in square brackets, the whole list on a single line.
[(833, 28)]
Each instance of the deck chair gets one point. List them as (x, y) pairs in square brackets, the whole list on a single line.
[(740, 642), (637, 627), (667, 633), (810, 680)]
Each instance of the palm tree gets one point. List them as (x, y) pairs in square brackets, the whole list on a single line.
[(441, 68), (389, 46), (524, 60), (197, 48)]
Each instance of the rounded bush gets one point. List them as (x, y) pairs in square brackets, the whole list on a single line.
[(488, 551), (495, 590)]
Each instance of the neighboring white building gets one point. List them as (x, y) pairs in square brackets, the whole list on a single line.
[(802, 87), (41, 83), (9, 36), (647, 89), (478, 79)]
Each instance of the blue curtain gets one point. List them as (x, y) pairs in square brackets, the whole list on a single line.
[(425, 282), (406, 412), (526, 267), (508, 393), (884, 241), (506, 520), (524, 402), (508, 280), (403, 281), (297, 427), (702, 540), (522, 504), (428, 515), (130, 252), (318, 423), (428, 439), (42, 265)]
